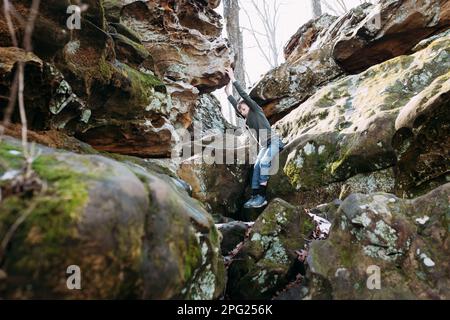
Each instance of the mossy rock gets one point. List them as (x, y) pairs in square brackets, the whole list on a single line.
[(113, 9), (406, 239), (267, 261), (130, 51), (134, 233), (353, 120)]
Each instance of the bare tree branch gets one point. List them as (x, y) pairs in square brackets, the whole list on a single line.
[(12, 32), (10, 233), (252, 32), (262, 34), (18, 84), (268, 14)]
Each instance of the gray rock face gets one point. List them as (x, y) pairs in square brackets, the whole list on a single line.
[(405, 240), (390, 29), (421, 140), (233, 233), (347, 127)]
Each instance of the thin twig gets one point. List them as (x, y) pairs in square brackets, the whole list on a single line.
[(12, 230), (18, 85), (7, 12), (269, 17)]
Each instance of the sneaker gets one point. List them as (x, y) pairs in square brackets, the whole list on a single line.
[(248, 204), (257, 202)]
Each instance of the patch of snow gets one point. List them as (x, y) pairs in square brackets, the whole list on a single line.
[(321, 149), (427, 261), (323, 224), (14, 152), (308, 148), (10, 174), (422, 220)]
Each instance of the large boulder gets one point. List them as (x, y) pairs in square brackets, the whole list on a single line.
[(308, 65), (217, 169), (390, 29), (219, 186), (133, 233), (402, 243), (376, 181), (183, 40), (267, 260), (328, 47), (347, 127), (130, 77), (422, 140)]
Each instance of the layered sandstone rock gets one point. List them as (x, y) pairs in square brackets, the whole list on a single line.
[(131, 76), (390, 29), (308, 65), (218, 172), (362, 104), (422, 140)]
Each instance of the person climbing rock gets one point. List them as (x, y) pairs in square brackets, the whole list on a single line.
[(269, 142)]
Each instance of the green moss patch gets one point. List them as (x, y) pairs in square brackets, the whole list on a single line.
[(311, 166)]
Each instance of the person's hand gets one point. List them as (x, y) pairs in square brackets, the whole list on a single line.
[(230, 74)]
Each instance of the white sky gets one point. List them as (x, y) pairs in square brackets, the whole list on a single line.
[(293, 14)]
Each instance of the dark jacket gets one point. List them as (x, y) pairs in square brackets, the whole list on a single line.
[(256, 119)]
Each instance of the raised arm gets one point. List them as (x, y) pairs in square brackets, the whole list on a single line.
[(232, 100), (250, 102)]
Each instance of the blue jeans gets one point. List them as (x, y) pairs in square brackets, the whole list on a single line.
[(262, 166)]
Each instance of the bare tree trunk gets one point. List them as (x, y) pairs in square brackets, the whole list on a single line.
[(231, 14), (316, 8)]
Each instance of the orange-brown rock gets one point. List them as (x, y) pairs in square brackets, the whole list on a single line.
[(391, 29), (130, 77)]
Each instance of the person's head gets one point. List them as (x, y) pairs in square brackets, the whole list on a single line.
[(243, 108)]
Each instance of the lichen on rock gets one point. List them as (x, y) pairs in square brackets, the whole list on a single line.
[(267, 259), (381, 230), (123, 225)]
